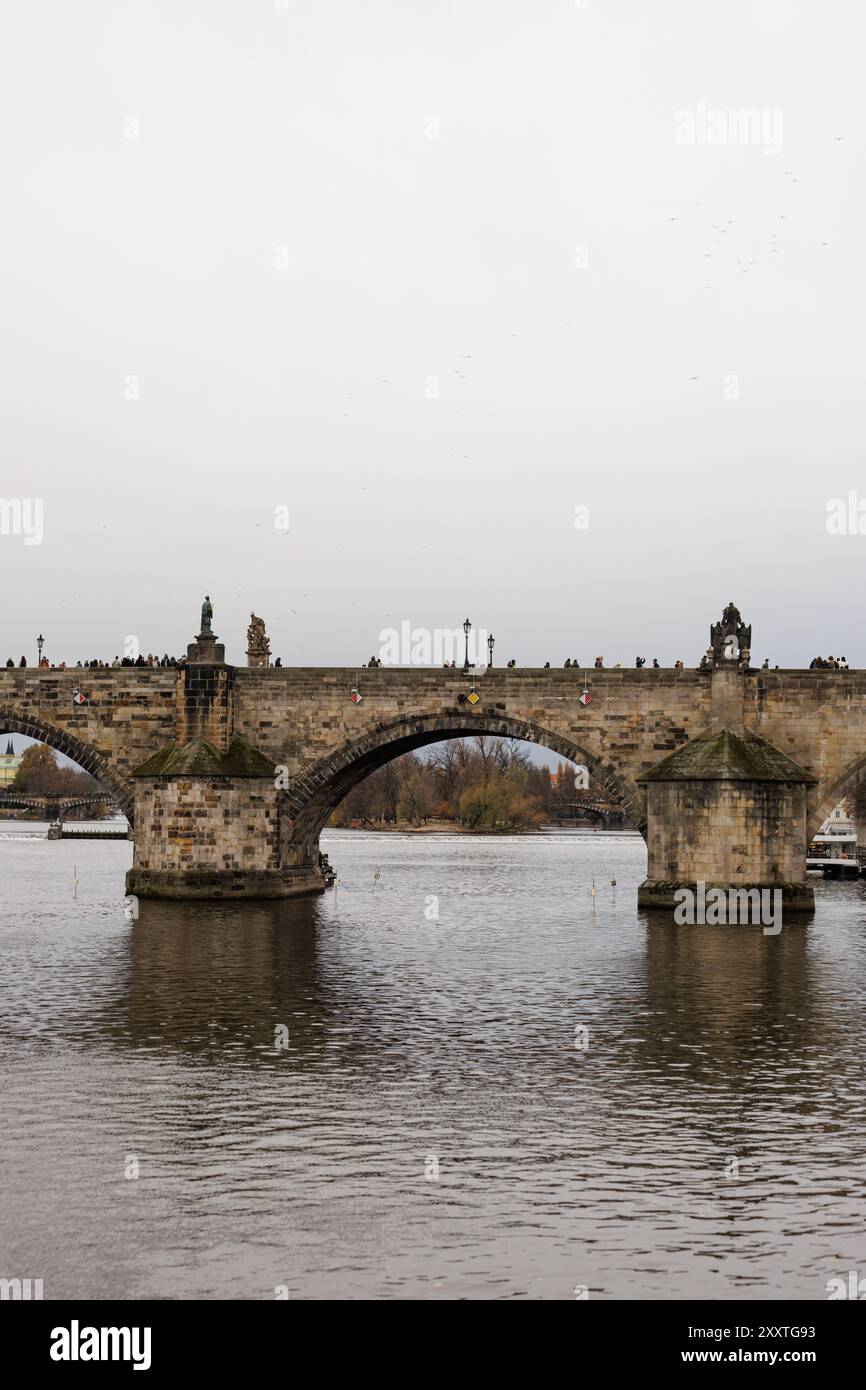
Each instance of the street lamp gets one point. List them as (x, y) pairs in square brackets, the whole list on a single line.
[(491, 639), (466, 626), (39, 641)]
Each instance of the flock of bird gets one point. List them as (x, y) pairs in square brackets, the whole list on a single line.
[(724, 229)]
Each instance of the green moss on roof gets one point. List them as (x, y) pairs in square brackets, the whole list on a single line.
[(200, 758), (728, 756)]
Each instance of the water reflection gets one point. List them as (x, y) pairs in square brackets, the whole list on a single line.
[(708, 1141)]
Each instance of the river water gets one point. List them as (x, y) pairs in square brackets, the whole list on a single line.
[(438, 1125)]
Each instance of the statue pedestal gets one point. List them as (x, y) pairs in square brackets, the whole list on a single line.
[(206, 651), (260, 659)]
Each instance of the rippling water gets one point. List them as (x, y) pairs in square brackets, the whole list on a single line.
[(417, 1042)]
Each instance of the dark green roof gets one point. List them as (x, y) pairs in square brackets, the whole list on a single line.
[(200, 758), (722, 756)]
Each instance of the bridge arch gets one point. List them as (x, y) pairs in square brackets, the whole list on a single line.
[(319, 787), (828, 795), (83, 754)]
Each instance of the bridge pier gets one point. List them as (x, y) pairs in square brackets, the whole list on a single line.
[(208, 812), (208, 826), (727, 810)]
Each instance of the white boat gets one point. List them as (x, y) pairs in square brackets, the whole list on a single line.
[(834, 855)]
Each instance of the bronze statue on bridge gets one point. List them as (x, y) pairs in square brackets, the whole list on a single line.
[(206, 618)]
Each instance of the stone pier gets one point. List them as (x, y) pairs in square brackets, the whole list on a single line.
[(727, 810), (207, 809)]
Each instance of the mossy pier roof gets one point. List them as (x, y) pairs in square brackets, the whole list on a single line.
[(201, 758), (726, 756)]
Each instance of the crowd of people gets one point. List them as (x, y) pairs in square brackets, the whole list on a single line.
[(828, 663), (96, 665), (818, 663)]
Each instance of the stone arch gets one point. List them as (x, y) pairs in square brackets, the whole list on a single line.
[(828, 795), (82, 753), (73, 803), (319, 787)]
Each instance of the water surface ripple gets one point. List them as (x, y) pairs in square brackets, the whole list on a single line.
[(710, 1141)]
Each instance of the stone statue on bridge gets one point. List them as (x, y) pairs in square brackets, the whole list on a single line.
[(206, 650), (206, 616), (729, 637), (258, 646)]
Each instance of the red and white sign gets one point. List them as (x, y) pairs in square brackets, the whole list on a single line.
[(356, 697), (79, 697), (585, 697)]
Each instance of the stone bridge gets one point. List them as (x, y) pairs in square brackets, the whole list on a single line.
[(230, 773), (58, 806)]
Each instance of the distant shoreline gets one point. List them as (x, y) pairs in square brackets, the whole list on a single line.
[(452, 828)]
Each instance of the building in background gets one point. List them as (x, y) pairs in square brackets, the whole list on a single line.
[(10, 761), (839, 822)]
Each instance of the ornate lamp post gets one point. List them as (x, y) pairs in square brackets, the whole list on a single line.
[(466, 626), (39, 641), (490, 641)]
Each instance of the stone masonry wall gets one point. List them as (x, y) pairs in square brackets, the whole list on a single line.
[(129, 713), (727, 832), (819, 719), (633, 720), (219, 824)]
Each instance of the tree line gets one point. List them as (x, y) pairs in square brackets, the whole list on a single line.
[(481, 783)]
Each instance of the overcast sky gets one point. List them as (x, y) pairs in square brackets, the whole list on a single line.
[(410, 271)]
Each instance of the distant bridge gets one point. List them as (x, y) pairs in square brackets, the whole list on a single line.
[(601, 812), (56, 807)]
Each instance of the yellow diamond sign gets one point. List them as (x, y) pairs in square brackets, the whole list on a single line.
[(473, 697)]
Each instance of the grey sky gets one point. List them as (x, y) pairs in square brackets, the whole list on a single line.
[(408, 257)]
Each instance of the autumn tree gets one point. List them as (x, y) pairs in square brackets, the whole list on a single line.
[(40, 774)]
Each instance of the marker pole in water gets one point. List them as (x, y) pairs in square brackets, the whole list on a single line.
[(74, 881), (594, 895)]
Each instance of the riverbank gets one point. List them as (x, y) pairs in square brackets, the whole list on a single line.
[(455, 828)]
